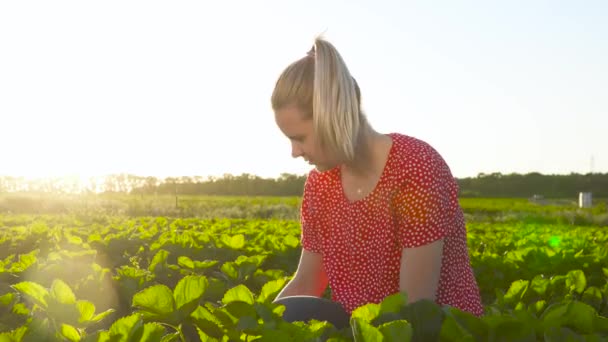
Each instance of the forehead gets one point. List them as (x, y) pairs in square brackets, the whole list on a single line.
[(291, 121)]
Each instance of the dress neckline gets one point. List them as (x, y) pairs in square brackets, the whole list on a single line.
[(383, 175)]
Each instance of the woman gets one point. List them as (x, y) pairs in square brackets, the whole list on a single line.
[(380, 212)]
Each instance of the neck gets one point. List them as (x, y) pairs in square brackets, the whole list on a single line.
[(363, 164)]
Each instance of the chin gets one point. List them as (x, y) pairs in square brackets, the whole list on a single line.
[(323, 168)]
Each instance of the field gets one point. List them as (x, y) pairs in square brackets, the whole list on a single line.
[(132, 268)]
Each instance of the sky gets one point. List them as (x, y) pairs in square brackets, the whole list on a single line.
[(183, 88)]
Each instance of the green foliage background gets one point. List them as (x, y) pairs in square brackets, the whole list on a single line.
[(117, 267)]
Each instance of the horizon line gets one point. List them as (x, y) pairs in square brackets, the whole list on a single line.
[(216, 176)]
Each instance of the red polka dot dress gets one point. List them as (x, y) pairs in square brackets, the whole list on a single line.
[(414, 203)]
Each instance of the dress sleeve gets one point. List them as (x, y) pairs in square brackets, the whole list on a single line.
[(310, 235), (424, 203)]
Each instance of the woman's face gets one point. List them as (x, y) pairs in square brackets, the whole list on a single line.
[(300, 133)]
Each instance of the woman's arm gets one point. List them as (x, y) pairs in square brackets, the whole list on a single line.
[(420, 271), (310, 278)]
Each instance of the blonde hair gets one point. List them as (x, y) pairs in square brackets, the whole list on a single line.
[(321, 86)]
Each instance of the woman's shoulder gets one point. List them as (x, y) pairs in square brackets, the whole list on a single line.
[(317, 180), (409, 148), (412, 155)]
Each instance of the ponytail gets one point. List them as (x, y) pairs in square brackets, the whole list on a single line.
[(336, 114), (321, 86)]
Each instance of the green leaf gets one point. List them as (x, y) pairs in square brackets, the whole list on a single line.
[(539, 285), (601, 324), (104, 336), (86, 309), (558, 281), (238, 293), (153, 332), (364, 331), (15, 335), (265, 312), (500, 297), (61, 312), (576, 281), (98, 336), (576, 315), (452, 331), (74, 240), (516, 291), (510, 329), (240, 309), (70, 333), (7, 299), (559, 334), (393, 303), (222, 315), (189, 290), (38, 330), (272, 274), (317, 328), (24, 263), (157, 299), (62, 293), (593, 297), (102, 315), (127, 329), (207, 323), (234, 242), (160, 258), (426, 318), (256, 260), (186, 262), (230, 269), (247, 324), (553, 315), (246, 270), (539, 306), (272, 335), (291, 241), (367, 312), (580, 316), (279, 310), (215, 290), (394, 331), (271, 289), (171, 337), (201, 265), (35, 291), (21, 309), (471, 323)]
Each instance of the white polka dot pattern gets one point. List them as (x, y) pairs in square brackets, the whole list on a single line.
[(414, 203)]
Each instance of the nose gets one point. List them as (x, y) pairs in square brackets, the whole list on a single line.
[(296, 150)]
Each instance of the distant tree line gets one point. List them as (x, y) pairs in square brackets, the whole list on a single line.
[(229, 185), (483, 185), (528, 185)]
